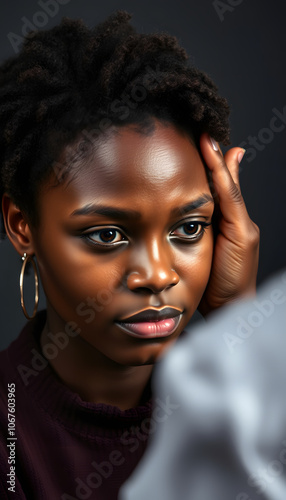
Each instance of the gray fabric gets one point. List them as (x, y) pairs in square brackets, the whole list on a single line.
[(223, 433)]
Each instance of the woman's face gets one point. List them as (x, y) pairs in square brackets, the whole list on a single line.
[(125, 235)]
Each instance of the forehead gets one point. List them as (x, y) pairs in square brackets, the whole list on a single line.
[(130, 159), (154, 171)]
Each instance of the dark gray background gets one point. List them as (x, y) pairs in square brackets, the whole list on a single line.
[(245, 55)]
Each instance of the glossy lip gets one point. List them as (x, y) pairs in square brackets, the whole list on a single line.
[(152, 323), (151, 315)]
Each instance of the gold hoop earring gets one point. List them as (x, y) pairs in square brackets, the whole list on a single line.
[(26, 258)]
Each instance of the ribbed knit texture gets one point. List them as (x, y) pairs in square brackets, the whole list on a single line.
[(66, 448)]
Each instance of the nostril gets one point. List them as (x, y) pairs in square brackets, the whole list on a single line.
[(153, 284), (145, 290), (171, 285), (153, 279)]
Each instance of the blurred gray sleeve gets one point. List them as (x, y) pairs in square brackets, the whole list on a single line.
[(218, 430)]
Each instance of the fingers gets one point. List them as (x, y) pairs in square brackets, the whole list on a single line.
[(225, 177), (233, 159)]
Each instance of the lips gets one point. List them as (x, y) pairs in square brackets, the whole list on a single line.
[(152, 315), (151, 323)]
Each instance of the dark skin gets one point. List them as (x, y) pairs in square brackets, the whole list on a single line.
[(160, 253)]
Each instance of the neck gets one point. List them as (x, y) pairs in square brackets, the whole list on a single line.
[(92, 375)]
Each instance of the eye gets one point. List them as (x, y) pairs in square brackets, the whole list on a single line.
[(106, 236), (190, 230)]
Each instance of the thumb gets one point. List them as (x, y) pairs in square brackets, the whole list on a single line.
[(233, 158)]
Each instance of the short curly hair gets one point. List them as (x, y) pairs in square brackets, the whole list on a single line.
[(71, 79)]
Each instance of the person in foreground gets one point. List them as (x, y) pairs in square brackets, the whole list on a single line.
[(113, 179)]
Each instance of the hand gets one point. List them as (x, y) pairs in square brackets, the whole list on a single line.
[(236, 245)]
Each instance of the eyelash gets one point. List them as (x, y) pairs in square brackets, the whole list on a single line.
[(181, 239), (194, 237), (86, 236)]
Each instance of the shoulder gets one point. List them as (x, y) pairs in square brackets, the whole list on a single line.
[(17, 357)]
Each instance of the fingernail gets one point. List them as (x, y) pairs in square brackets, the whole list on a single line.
[(241, 155), (214, 144)]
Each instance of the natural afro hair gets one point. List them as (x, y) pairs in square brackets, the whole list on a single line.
[(71, 79)]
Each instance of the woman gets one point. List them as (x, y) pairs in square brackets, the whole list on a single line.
[(110, 177)]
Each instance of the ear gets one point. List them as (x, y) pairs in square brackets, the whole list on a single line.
[(17, 227)]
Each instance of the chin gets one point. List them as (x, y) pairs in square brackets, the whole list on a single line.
[(145, 358)]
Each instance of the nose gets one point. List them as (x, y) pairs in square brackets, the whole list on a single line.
[(151, 269)]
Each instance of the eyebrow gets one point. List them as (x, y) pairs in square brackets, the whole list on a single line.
[(113, 212), (204, 199), (122, 213)]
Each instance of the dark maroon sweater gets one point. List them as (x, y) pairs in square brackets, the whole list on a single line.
[(66, 448)]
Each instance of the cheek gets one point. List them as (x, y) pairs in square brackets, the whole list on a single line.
[(71, 278), (195, 266)]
